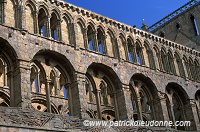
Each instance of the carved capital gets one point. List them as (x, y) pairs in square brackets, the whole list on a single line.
[(161, 95), (192, 102)]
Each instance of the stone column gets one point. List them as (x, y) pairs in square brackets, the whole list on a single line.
[(185, 69), (146, 52), (163, 102), (72, 37), (48, 27), (35, 22), (172, 111), (137, 90), (128, 101), (177, 70), (95, 43), (98, 100), (85, 38), (78, 95), (38, 81), (104, 45), (22, 18), (48, 99), (59, 33), (195, 114), (157, 61), (20, 85), (58, 86), (5, 76)]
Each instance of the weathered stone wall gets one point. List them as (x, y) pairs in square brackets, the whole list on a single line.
[(185, 34), (72, 53)]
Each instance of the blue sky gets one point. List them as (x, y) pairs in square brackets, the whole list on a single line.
[(132, 11)]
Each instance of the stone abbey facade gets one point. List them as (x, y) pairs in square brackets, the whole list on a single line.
[(60, 63)]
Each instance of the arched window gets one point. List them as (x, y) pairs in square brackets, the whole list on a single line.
[(10, 14), (131, 53), (111, 44), (195, 26), (123, 48), (192, 69), (80, 37), (65, 30), (179, 106), (171, 66), (90, 37), (42, 22), (162, 34), (150, 56), (29, 18), (139, 54), (34, 80), (37, 78), (180, 66), (143, 108), (55, 27), (52, 84), (158, 59), (63, 87), (186, 63), (101, 41), (106, 94), (178, 26), (164, 61), (90, 93)]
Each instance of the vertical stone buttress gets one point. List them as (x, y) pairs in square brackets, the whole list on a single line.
[(128, 102), (20, 87), (79, 103)]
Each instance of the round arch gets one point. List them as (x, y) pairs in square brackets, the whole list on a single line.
[(62, 84), (181, 110), (144, 88), (114, 97)]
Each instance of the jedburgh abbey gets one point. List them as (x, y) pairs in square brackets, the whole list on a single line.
[(61, 64)]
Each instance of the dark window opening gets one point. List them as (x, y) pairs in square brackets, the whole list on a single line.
[(130, 50), (162, 34), (195, 25), (54, 26), (90, 37), (178, 26), (42, 20), (100, 40)]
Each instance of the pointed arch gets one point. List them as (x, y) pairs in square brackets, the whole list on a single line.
[(180, 105), (192, 70), (30, 16), (131, 50), (139, 52), (10, 13), (164, 59), (105, 83), (91, 37), (143, 87), (179, 63), (170, 60), (123, 47), (102, 49), (67, 27), (197, 69), (150, 55), (111, 43), (42, 21)]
